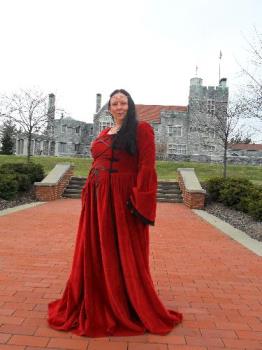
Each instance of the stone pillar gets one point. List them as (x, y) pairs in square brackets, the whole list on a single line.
[(25, 146)]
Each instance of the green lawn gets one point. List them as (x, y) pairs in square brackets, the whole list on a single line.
[(166, 170)]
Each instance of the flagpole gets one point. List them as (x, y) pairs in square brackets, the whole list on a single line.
[(219, 75)]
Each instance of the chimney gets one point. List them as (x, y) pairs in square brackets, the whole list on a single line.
[(51, 106), (50, 115), (98, 102)]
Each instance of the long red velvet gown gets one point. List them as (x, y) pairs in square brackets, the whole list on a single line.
[(110, 289)]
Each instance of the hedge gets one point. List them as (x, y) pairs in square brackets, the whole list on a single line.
[(238, 193), (18, 177)]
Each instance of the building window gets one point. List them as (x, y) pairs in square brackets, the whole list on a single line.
[(78, 130), (77, 147), (174, 130), (156, 128), (176, 149), (105, 124), (210, 148), (63, 129), (20, 146), (62, 147), (208, 133), (211, 107), (195, 148)]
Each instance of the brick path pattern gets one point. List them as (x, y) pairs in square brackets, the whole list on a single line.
[(197, 270)]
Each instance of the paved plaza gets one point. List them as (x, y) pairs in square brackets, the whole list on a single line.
[(215, 281)]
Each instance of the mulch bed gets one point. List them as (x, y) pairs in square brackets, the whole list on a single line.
[(237, 219), (22, 198)]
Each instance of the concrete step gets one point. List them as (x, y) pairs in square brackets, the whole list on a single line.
[(172, 191), (72, 190), (72, 195), (78, 178), (77, 182), (168, 184), (164, 200), (168, 195), (75, 185), (167, 191)]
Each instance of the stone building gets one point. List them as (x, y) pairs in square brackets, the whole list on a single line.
[(62, 137), (181, 132)]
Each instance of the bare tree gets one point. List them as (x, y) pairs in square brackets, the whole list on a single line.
[(219, 126), (28, 110), (252, 71), (239, 138)]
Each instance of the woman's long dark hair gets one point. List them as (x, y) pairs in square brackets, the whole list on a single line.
[(126, 137)]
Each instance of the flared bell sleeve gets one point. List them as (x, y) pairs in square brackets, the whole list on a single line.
[(142, 201)]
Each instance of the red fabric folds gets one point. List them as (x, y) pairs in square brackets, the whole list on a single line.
[(143, 196), (110, 290)]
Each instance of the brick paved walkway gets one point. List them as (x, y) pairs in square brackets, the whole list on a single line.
[(214, 281)]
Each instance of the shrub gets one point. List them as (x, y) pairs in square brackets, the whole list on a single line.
[(214, 186), (33, 170), (24, 182), (233, 190), (255, 209), (8, 186), (237, 193)]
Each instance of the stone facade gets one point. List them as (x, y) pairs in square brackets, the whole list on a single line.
[(182, 132), (186, 133), (62, 137)]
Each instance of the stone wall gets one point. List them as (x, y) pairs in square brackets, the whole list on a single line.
[(53, 185)]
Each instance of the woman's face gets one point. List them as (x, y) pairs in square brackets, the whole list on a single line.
[(119, 107)]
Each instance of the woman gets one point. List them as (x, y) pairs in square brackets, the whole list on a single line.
[(110, 290)]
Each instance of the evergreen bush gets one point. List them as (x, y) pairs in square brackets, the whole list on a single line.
[(8, 186), (33, 170), (238, 193), (213, 187)]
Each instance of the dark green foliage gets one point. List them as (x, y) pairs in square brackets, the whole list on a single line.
[(214, 186), (33, 170), (24, 182), (7, 138), (8, 186), (237, 193), (233, 190), (16, 177), (255, 209), (7, 144)]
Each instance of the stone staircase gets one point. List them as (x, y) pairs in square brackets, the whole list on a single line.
[(74, 188), (166, 192)]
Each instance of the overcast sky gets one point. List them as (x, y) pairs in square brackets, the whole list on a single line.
[(78, 48)]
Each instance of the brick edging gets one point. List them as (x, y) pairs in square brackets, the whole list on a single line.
[(50, 192)]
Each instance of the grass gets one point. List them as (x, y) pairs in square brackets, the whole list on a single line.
[(166, 170)]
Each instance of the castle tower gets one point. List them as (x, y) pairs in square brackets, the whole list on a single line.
[(206, 106)]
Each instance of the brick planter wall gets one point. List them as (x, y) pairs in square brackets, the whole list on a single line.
[(193, 199), (52, 191)]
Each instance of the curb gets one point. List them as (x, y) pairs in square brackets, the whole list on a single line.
[(236, 234), (19, 208)]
